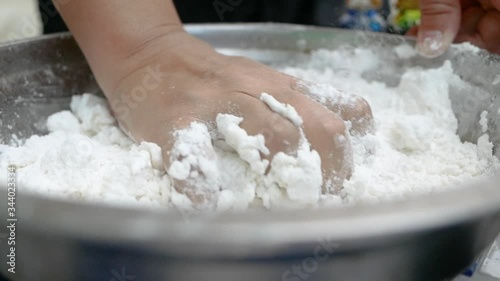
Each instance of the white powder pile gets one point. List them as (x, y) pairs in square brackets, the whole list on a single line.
[(414, 150), (87, 157), (416, 147)]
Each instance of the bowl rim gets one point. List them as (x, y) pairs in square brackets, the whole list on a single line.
[(251, 232)]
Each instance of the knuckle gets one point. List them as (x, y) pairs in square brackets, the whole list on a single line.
[(443, 7), (361, 117), (362, 107), (285, 139), (240, 59), (333, 126)]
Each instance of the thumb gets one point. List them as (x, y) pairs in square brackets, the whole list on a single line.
[(439, 26)]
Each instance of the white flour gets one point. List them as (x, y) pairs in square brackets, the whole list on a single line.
[(414, 151), (416, 148)]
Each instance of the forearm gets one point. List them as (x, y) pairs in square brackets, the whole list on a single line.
[(111, 31)]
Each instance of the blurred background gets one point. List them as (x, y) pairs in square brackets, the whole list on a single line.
[(28, 18)]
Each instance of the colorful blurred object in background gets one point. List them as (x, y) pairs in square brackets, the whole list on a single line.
[(404, 15), (364, 15), (21, 18), (394, 16)]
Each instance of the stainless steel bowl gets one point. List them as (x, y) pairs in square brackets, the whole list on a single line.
[(429, 238)]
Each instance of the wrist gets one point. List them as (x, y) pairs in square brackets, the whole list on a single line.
[(109, 31)]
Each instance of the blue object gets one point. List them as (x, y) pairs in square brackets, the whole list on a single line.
[(470, 271), (363, 20)]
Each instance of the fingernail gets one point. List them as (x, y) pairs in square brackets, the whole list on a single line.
[(431, 44)]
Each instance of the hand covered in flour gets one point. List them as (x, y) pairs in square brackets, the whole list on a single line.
[(159, 80), (179, 79), (447, 21)]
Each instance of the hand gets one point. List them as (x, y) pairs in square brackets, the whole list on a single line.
[(177, 79), (447, 21)]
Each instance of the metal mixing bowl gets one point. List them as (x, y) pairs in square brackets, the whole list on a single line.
[(428, 238)]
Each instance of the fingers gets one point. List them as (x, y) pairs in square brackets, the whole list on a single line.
[(495, 4), (470, 20), (481, 28), (190, 160), (439, 26), (479, 24), (355, 110), (490, 4), (351, 108), (327, 134), (489, 30), (325, 131), (279, 133)]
